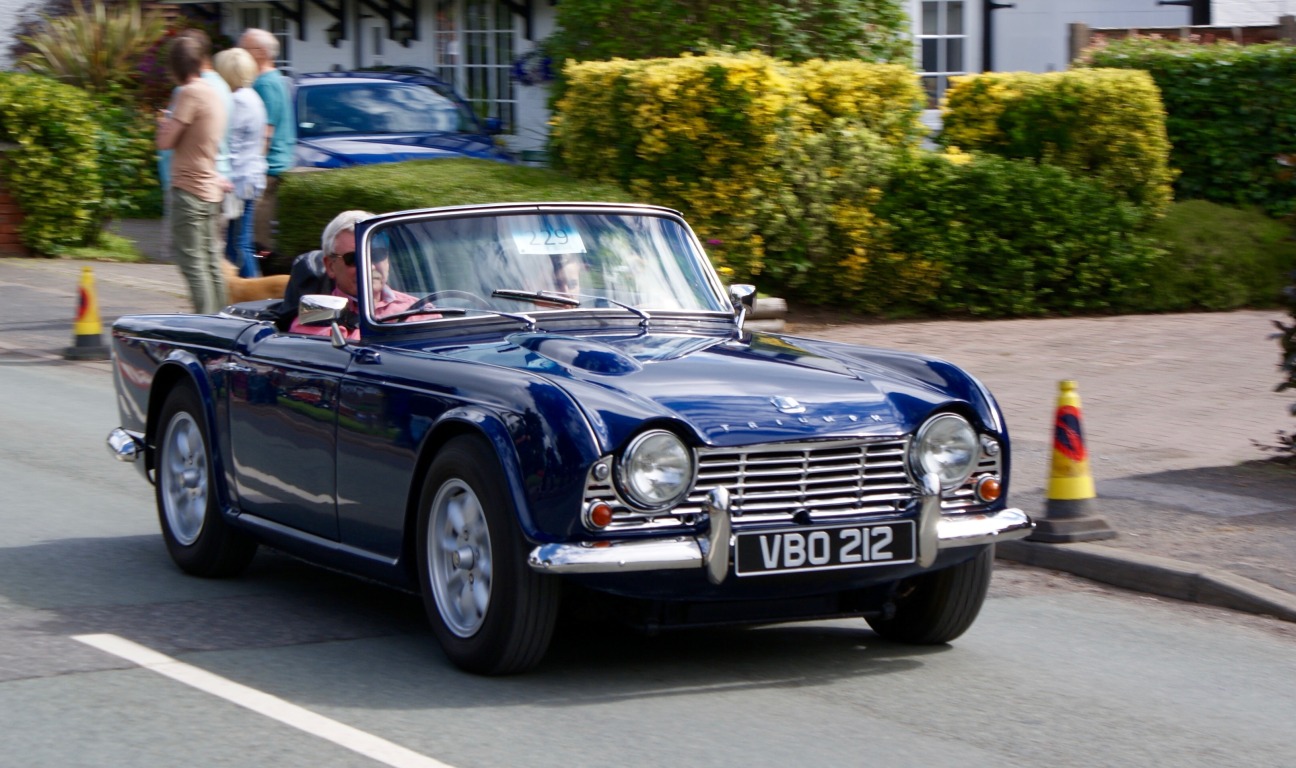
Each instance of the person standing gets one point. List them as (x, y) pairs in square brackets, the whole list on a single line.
[(247, 132), (281, 131), (193, 129), (222, 155)]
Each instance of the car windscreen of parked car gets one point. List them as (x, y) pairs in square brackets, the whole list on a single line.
[(551, 261), (376, 108)]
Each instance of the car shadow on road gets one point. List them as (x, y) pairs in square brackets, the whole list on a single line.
[(127, 586)]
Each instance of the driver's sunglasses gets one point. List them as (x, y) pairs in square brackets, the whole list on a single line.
[(349, 258)]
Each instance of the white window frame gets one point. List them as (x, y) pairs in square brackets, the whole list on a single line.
[(272, 20), (941, 39), (475, 46)]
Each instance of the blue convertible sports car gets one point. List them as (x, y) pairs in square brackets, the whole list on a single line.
[(567, 405)]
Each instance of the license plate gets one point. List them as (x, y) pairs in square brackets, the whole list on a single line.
[(824, 549)]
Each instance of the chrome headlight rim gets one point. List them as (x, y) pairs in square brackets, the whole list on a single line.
[(626, 486), (919, 446)]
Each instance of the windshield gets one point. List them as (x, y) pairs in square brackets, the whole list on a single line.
[(543, 262), (369, 108)]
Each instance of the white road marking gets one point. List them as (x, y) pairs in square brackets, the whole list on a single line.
[(262, 703)]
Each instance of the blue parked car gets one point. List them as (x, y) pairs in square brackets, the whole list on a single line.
[(360, 118), (568, 405)]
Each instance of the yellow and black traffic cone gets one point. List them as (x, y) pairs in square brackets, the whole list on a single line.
[(87, 332), (1068, 514)]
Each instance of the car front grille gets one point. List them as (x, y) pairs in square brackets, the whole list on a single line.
[(770, 483)]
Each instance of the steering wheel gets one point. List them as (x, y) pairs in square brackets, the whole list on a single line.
[(450, 293)]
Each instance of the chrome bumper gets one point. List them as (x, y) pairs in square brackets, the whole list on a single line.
[(712, 551), (124, 445)]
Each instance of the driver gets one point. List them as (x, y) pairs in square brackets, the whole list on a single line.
[(339, 256)]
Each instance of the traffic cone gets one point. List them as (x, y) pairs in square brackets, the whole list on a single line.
[(1068, 512), (87, 332)]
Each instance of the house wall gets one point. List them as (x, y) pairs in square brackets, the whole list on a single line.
[(8, 20), (1250, 12), (1032, 36), (367, 45)]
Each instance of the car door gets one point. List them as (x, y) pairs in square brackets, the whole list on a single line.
[(283, 428)]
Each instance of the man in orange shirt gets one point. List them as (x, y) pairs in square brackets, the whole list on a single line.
[(194, 129)]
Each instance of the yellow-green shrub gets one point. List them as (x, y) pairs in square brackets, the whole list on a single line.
[(886, 98), (726, 138), (1106, 124), (53, 173)]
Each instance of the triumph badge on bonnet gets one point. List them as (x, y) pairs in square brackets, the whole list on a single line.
[(787, 404)]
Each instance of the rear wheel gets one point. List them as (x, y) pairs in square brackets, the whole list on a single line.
[(491, 613), (937, 607), (197, 537)]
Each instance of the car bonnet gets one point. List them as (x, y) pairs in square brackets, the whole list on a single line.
[(728, 391)]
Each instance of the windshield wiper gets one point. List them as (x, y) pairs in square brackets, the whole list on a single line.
[(459, 311), (567, 300)]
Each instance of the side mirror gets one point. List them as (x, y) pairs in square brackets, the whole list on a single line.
[(321, 309), (743, 298)]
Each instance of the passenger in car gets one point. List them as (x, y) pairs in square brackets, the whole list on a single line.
[(339, 259)]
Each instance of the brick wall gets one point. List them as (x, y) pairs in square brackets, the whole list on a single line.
[(11, 217)]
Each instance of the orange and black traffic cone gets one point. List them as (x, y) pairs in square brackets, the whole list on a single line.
[(87, 332), (1068, 514)]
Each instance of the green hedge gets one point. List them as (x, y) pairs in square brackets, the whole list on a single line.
[(1104, 123), (1218, 258), (308, 200), (895, 231), (1231, 115), (54, 174), (794, 31), (1002, 238)]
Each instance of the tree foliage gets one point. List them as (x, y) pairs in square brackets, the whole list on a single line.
[(97, 49), (794, 30)]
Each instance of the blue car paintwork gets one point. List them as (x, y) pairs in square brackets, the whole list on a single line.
[(338, 152), (548, 416), (322, 450), (363, 149)]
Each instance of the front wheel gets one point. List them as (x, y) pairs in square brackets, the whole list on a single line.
[(491, 613), (935, 608), (197, 537)]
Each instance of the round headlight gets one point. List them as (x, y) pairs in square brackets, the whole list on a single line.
[(656, 470), (947, 447)]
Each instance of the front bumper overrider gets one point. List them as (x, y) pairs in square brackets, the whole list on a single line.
[(711, 551)]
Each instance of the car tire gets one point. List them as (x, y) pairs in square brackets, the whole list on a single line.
[(490, 612), (197, 536), (935, 608)]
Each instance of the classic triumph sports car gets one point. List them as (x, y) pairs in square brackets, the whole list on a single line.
[(570, 406)]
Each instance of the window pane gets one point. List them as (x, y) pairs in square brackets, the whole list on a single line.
[(929, 85), (954, 19), (930, 61), (931, 18), (954, 55)]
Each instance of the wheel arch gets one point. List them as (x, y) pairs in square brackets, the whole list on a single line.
[(183, 369), (459, 422)]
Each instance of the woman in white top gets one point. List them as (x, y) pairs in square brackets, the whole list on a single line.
[(247, 147)]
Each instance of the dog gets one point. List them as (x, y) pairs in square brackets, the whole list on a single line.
[(242, 289)]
